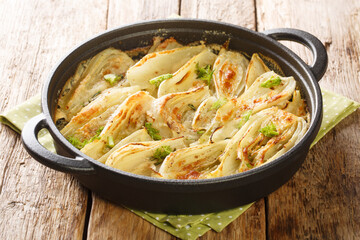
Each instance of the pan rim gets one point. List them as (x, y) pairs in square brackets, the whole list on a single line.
[(254, 173)]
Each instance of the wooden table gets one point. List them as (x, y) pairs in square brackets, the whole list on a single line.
[(320, 202)]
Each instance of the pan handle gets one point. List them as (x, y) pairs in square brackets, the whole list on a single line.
[(320, 61), (77, 165)]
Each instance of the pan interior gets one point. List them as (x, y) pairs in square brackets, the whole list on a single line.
[(138, 35)]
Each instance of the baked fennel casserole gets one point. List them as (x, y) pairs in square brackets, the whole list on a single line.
[(181, 112)]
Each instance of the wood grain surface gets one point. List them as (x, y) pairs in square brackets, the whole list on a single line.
[(37, 202), (320, 202)]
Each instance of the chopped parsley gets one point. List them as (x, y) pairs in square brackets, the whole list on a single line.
[(157, 80), (79, 145), (153, 132), (110, 142), (245, 117), (204, 73), (249, 165), (113, 78), (192, 106), (218, 104), (161, 153), (271, 82), (200, 132), (269, 130), (97, 134)]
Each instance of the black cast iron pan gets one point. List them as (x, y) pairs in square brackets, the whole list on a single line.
[(182, 196)]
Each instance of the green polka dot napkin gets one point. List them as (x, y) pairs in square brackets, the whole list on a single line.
[(336, 108)]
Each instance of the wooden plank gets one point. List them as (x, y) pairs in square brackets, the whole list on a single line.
[(37, 202), (241, 13), (126, 12), (321, 201), (107, 220), (110, 221)]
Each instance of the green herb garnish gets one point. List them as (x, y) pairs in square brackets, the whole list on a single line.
[(246, 115), (153, 132), (161, 153), (113, 78), (244, 118), (204, 73), (99, 131), (249, 165), (192, 106), (110, 142), (218, 104), (269, 130), (271, 82), (97, 134), (77, 143), (157, 80), (201, 132)]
